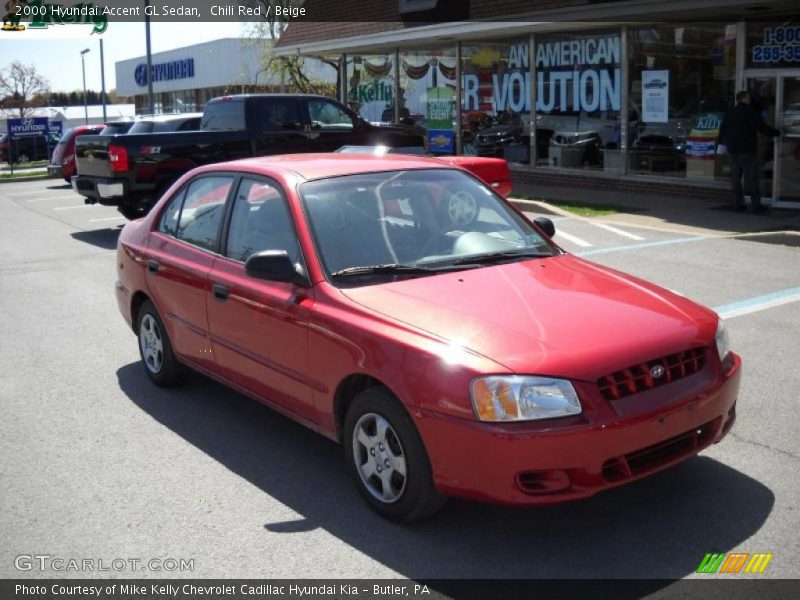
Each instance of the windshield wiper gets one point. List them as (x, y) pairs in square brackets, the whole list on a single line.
[(499, 256), (389, 269)]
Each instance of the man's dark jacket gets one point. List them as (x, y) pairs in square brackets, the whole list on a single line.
[(739, 127)]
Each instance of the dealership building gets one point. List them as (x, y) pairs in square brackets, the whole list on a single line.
[(185, 79), (623, 95)]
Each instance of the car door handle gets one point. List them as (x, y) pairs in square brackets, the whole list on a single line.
[(153, 266), (220, 292)]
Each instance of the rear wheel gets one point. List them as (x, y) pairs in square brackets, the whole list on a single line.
[(387, 458), (23, 158), (160, 363)]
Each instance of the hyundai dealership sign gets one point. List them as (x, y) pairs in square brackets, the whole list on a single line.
[(167, 71), (24, 127)]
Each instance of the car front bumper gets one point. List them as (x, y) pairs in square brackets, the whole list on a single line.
[(545, 462)]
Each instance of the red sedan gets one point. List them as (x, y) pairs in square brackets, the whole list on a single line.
[(400, 306)]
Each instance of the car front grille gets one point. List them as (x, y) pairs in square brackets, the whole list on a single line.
[(639, 378)]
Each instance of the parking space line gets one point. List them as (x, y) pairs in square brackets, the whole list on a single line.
[(71, 207), (607, 227), (575, 240), (106, 219), (645, 245), (745, 307), (60, 197)]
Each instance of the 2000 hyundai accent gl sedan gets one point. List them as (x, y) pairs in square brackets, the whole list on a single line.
[(400, 306)]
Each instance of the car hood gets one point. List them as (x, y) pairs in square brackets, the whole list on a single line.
[(559, 316)]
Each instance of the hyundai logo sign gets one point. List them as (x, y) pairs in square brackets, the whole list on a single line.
[(176, 69)]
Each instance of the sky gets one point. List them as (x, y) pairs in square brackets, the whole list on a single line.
[(55, 51)]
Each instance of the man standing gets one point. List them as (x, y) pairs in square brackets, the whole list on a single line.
[(738, 135)]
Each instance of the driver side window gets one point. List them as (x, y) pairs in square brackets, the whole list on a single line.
[(329, 116)]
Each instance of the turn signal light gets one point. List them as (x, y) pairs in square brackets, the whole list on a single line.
[(118, 158), (494, 401)]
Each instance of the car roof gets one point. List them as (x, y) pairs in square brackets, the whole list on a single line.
[(320, 166), (168, 117)]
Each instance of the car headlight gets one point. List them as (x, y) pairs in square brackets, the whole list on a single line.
[(523, 398), (723, 342)]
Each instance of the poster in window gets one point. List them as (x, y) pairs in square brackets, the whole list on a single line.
[(655, 96)]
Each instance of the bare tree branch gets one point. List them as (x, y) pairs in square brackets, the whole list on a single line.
[(22, 87)]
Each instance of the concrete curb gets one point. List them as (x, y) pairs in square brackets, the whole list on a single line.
[(26, 178), (541, 207)]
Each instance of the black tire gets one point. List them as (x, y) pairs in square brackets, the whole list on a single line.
[(159, 363), (414, 494), (130, 212)]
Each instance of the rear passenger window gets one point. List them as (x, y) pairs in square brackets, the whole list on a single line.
[(224, 115), (278, 114), (203, 210), (260, 221), (169, 218)]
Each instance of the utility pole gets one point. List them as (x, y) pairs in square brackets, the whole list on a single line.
[(103, 80), (150, 98), (85, 100)]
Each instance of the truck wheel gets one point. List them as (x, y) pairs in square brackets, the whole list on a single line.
[(23, 158), (159, 361), (387, 458), (130, 212)]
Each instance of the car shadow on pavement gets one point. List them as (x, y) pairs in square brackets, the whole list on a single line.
[(103, 238), (660, 527), (63, 186)]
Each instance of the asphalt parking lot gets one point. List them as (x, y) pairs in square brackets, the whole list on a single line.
[(98, 463)]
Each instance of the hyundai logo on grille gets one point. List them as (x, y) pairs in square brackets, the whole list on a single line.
[(657, 372)]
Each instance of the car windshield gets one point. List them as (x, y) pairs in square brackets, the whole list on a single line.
[(413, 223)]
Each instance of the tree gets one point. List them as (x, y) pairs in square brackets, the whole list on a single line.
[(21, 84), (289, 69)]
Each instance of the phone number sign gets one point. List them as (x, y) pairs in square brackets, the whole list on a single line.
[(776, 46)]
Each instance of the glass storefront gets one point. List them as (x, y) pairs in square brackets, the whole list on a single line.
[(495, 106), (428, 96), (654, 112), (370, 86), (578, 97), (681, 83)]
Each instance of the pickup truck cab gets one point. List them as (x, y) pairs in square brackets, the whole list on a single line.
[(131, 171)]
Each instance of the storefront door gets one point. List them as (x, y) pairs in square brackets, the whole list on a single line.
[(777, 98)]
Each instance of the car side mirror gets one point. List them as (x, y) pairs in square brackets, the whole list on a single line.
[(272, 265), (546, 225)]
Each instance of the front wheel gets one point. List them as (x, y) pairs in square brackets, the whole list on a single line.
[(155, 348), (387, 458)]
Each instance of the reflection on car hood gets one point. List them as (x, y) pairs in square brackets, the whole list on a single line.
[(559, 316)]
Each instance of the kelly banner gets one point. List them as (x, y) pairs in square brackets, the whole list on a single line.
[(396, 589)]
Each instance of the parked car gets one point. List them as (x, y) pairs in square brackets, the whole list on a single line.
[(452, 349), (133, 170), (62, 162), (27, 148)]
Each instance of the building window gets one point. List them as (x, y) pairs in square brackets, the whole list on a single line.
[(682, 80), (370, 86), (495, 98), (578, 98), (428, 96)]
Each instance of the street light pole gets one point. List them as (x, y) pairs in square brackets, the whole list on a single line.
[(85, 101), (103, 80), (150, 99)]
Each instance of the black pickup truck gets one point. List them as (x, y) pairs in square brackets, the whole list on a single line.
[(131, 171)]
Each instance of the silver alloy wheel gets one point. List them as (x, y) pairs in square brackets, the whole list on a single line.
[(379, 458), (462, 208), (151, 344)]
